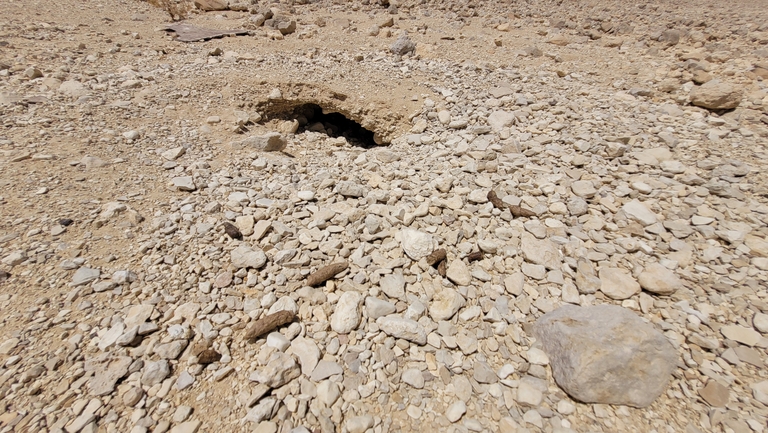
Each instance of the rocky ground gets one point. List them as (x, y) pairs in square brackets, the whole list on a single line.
[(161, 200)]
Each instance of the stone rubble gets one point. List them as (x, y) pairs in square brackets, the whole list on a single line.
[(156, 205)]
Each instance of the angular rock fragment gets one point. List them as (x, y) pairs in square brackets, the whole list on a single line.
[(716, 95)]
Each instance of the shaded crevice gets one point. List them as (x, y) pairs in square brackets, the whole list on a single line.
[(312, 117)]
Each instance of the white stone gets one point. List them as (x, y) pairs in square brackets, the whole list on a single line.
[(278, 341), (308, 352), (456, 411), (416, 244), (400, 327), (346, 316), (413, 377), (445, 304), (328, 392)]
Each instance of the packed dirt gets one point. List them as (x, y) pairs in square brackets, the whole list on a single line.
[(477, 167)]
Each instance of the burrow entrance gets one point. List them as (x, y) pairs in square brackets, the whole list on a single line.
[(312, 117)]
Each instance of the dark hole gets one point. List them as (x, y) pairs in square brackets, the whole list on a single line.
[(311, 118)]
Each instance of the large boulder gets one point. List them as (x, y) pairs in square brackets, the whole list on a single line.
[(716, 95), (606, 354)]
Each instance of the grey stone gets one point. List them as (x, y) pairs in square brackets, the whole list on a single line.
[(402, 45), (155, 372), (184, 183), (184, 381), (483, 373), (84, 276), (606, 354)]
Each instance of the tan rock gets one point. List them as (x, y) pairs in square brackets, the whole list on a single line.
[(716, 95)]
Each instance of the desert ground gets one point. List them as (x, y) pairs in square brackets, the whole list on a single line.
[(383, 216)]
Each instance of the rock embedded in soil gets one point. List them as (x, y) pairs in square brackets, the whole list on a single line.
[(606, 354), (716, 95)]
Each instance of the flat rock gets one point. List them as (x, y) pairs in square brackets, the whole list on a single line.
[(324, 370), (606, 354), (308, 352), (155, 372), (84, 276), (639, 212), (376, 308), (108, 370), (269, 142), (393, 285), (741, 334), (760, 322), (359, 424), (540, 251), (184, 183), (456, 411), (400, 327), (586, 280), (246, 257), (413, 377), (281, 369), (500, 119), (187, 426), (715, 394)]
